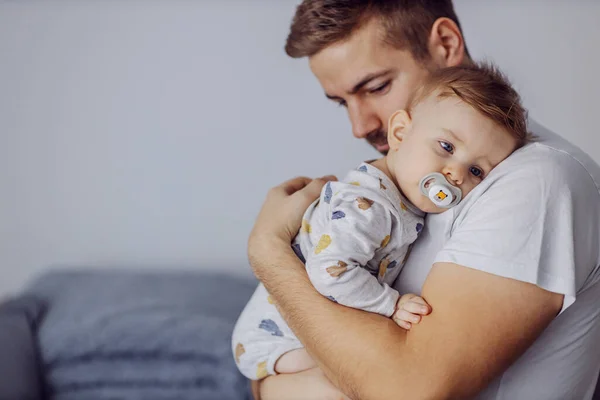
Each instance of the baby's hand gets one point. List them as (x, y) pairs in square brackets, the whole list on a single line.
[(409, 310)]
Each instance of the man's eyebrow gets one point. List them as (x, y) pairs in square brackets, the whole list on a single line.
[(362, 83)]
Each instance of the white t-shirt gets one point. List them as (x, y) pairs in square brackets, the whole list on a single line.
[(535, 218)]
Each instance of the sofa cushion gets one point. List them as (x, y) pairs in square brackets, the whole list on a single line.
[(141, 335), (19, 357)]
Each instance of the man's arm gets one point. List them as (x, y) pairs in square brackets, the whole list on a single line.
[(479, 325)]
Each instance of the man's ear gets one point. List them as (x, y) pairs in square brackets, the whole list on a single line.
[(398, 126), (446, 44)]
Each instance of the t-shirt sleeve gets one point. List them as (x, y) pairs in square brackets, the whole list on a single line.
[(534, 224)]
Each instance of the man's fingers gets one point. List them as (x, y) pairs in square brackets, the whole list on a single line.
[(329, 178), (313, 189), (295, 184)]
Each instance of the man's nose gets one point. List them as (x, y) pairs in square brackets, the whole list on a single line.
[(455, 174), (364, 121)]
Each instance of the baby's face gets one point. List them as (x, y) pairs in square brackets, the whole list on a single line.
[(446, 136)]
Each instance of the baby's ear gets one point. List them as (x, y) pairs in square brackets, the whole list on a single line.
[(398, 126)]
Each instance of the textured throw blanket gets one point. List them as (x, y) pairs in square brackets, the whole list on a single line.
[(139, 335)]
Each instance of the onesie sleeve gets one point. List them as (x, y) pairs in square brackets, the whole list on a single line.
[(356, 227)]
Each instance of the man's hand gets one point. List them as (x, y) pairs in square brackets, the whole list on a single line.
[(409, 310), (280, 218)]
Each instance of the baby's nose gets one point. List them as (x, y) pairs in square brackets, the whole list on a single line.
[(454, 175)]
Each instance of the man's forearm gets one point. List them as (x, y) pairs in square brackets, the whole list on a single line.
[(454, 352)]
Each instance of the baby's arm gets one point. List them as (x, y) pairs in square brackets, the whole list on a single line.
[(356, 227)]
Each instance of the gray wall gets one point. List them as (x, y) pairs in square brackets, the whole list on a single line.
[(146, 133)]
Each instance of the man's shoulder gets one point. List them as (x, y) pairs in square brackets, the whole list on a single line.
[(549, 163), (558, 158), (544, 198), (549, 175)]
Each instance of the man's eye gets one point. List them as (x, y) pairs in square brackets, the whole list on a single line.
[(446, 146), (477, 172), (341, 103), (380, 88)]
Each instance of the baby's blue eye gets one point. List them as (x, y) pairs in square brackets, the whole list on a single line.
[(447, 146), (476, 172)]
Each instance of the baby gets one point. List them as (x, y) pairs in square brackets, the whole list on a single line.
[(355, 238)]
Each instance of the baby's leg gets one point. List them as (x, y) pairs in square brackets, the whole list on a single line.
[(261, 337), (309, 384), (294, 361)]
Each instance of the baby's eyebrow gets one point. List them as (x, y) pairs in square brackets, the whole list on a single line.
[(488, 165), (452, 134)]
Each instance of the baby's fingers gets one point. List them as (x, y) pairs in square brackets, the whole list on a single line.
[(416, 305), (403, 315), (403, 324)]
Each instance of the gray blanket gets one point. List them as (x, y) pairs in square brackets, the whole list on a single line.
[(133, 335)]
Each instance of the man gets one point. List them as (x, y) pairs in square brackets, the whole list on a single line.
[(511, 273)]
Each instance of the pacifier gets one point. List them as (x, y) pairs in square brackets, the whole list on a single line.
[(437, 188)]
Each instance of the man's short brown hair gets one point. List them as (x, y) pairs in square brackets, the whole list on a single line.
[(485, 88), (406, 24)]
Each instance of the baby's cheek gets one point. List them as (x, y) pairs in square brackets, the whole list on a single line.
[(423, 202), (467, 188), (432, 209), (426, 205)]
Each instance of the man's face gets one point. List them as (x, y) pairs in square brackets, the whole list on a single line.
[(370, 79)]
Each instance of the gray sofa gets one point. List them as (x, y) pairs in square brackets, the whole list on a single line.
[(122, 334), (117, 335)]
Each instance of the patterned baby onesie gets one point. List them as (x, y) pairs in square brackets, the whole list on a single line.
[(354, 241)]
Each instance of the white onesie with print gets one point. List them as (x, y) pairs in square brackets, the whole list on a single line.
[(354, 241)]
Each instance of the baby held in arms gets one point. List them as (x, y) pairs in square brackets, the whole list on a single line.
[(355, 238)]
